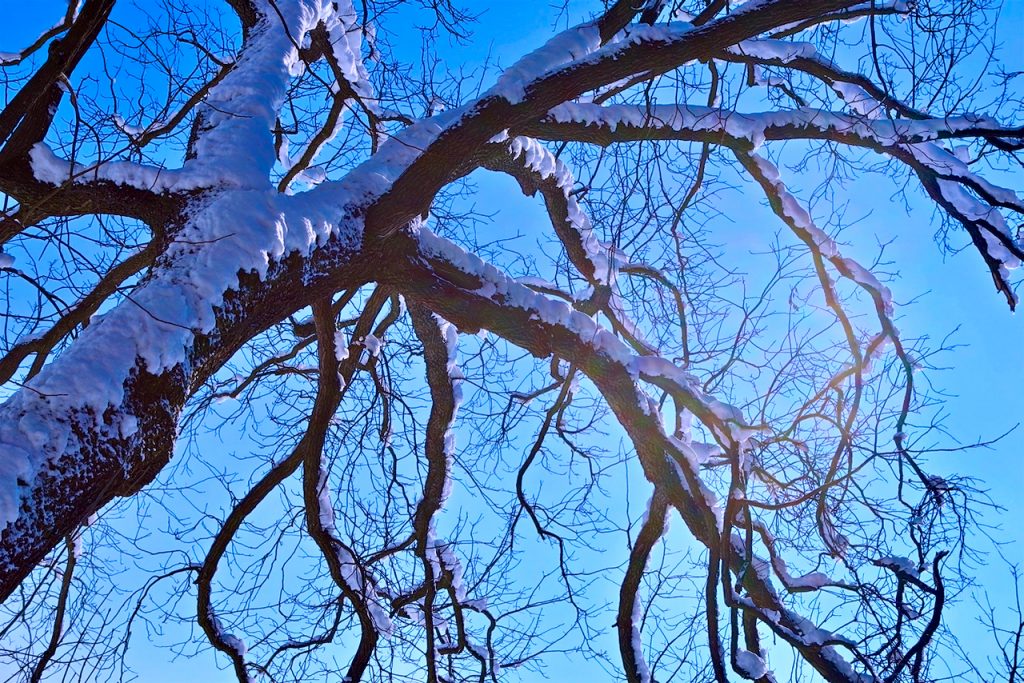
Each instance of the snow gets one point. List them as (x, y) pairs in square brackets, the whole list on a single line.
[(782, 51), (49, 168), (238, 112), (9, 58), (977, 211), (372, 344), (859, 100), (129, 426), (76, 544), (323, 491), (345, 37), (755, 127), (566, 47), (247, 228), (450, 334), (910, 612), (602, 341), (477, 604), (237, 230), (355, 577), (230, 640), (231, 233), (643, 672), (836, 542), (235, 643), (340, 346), (749, 665), (341, 21), (15, 467), (898, 565), (803, 225), (446, 556), (604, 258), (863, 277), (136, 131)]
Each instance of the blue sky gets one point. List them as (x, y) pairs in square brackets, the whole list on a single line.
[(949, 292)]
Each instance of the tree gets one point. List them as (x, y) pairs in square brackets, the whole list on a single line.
[(258, 217)]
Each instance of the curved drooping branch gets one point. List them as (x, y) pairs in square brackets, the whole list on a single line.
[(445, 279), (628, 620), (349, 574), (963, 194), (335, 379), (537, 170), (440, 342)]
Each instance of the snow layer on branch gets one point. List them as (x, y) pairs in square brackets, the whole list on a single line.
[(49, 168), (806, 229), (992, 227), (372, 344), (375, 176), (495, 284), (235, 232), (859, 100), (605, 258), (579, 45), (234, 147), (949, 163), (784, 51), (806, 634), (812, 580), (341, 21), (617, 307), (344, 35), (566, 47), (241, 110), (753, 126), (341, 351), (352, 572), (749, 665), (450, 561), (898, 565), (10, 58), (806, 582), (643, 672), (137, 131), (451, 339), (956, 175), (229, 639)]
